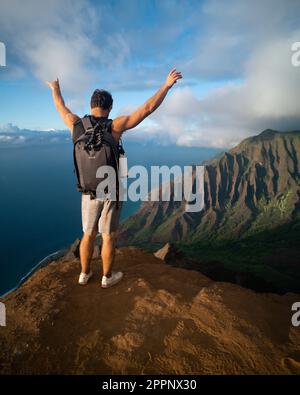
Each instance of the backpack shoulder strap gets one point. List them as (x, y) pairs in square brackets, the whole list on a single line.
[(87, 124), (78, 130)]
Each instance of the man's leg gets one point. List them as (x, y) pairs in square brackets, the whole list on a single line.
[(108, 226), (90, 210), (86, 251), (108, 252)]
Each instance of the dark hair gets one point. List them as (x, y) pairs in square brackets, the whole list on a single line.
[(101, 98)]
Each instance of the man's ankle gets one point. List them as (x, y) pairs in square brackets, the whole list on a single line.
[(108, 274)]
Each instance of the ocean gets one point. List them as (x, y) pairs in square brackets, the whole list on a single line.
[(39, 203)]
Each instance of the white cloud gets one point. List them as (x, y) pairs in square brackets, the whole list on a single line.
[(60, 38), (268, 98), (231, 30)]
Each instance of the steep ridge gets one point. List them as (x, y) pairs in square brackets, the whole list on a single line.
[(250, 189)]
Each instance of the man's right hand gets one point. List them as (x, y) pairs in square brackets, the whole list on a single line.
[(125, 122), (173, 76)]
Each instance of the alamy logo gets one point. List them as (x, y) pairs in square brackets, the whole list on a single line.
[(295, 59), (176, 185), (2, 54), (296, 315), (2, 314)]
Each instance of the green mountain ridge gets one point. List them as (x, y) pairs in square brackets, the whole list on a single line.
[(253, 187), (252, 199)]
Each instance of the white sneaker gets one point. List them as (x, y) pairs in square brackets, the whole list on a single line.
[(84, 278), (110, 281)]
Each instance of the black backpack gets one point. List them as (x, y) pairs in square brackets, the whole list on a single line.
[(94, 146)]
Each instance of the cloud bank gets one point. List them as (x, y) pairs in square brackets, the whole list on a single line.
[(12, 135)]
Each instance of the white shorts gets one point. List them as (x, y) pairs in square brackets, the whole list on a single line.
[(99, 215)]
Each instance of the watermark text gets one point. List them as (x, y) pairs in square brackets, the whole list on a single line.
[(160, 184), (296, 315), (295, 59), (2, 54), (2, 314)]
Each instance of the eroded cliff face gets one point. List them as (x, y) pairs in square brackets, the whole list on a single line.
[(252, 188), (158, 319)]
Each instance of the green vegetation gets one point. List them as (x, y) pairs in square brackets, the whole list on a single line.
[(272, 256), (273, 212)]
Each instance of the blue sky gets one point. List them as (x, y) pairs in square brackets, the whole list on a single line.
[(144, 18), (234, 56)]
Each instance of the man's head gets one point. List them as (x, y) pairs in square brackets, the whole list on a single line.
[(101, 100)]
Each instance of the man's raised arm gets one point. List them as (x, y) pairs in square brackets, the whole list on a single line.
[(68, 117), (122, 123)]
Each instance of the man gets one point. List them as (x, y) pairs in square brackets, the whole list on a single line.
[(103, 215)]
